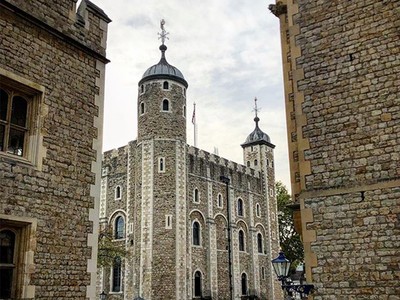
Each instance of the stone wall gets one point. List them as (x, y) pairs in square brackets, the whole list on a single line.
[(53, 186)]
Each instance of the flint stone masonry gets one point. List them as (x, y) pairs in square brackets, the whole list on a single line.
[(55, 190)]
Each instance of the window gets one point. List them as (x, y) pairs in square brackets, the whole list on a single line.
[(165, 105), (118, 192), (119, 228), (248, 163), (116, 275), (142, 108), (255, 162), (19, 118), (165, 85), (258, 210), (196, 197), (161, 165), (240, 207), (7, 263), (184, 91), (142, 89), (219, 201), (184, 111), (241, 240), (271, 192), (259, 243), (262, 273), (244, 284), (197, 284), (196, 233), (168, 221)]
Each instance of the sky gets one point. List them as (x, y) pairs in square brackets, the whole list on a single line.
[(229, 53)]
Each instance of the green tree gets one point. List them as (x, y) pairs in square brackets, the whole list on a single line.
[(289, 239), (108, 249)]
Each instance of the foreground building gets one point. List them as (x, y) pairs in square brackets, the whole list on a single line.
[(52, 63), (166, 205), (341, 62)]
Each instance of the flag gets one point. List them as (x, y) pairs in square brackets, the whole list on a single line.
[(194, 114)]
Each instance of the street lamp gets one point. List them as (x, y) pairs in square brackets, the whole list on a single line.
[(281, 267), (103, 296)]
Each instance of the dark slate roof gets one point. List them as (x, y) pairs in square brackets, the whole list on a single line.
[(163, 70), (257, 137)]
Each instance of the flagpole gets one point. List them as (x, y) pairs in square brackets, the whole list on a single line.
[(194, 124)]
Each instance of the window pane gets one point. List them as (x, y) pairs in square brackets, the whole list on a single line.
[(116, 283), (197, 284), (16, 142), (2, 129), (7, 241), (6, 275), (3, 104), (19, 109)]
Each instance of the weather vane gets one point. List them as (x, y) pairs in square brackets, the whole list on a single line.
[(256, 110), (163, 34)]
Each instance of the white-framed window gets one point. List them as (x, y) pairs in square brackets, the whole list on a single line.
[(116, 275), (165, 105), (161, 165), (166, 85), (258, 210), (104, 171), (20, 124), (119, 228), (220, 201), (240, 207), (118, 192), (196, 196), (168, 221), (196, 233), (142, 108)]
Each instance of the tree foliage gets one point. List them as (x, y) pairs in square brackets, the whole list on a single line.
[(289, 239), (108, 249)]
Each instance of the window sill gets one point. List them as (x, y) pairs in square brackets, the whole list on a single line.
[(13, 160)]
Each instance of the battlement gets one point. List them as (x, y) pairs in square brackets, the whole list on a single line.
[(85, 27)]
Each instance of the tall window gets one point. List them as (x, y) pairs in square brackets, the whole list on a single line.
[(196, 233), (255, 162), (13, 123), (240, 207), (259, 243), (116, 275), (161, 165), (119, 228), (258, 210), (244, 284), (142, 88), (165, 85), (165, 105), (118, 193), (142, 108), (197, 284), (219, 201), (196, 197), (7, 263), (241, 240)]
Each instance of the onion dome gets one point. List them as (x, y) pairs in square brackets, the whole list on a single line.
[(163, 70)]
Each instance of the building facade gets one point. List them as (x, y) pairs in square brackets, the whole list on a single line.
[(182, 226), (341, 65), (52, 64)]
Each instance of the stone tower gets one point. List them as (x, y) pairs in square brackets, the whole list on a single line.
[(258, 153), (161, 201), (341, 64)]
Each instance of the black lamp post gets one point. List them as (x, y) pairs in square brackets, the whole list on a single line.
[(281, 267), (103, 296)]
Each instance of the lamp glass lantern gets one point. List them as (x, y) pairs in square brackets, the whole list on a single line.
[(281, 265), (103, 296)]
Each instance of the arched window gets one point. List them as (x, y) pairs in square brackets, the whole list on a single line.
[(219, 203), (196, 233), (197, 284), (259, 243), (116, 275), (244, 284), (258, 210), (142, 88), (165, 105), (165, 85), (119, 228), (7, 263), (142, 108), (240, 207), (248, 163), (118, 193), (196, 197), (255, 162), (241, 240)]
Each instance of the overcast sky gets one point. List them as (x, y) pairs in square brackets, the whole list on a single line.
[(227, 50)]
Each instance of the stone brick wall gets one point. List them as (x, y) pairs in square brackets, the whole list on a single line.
[(57, 190), (341, 67)]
